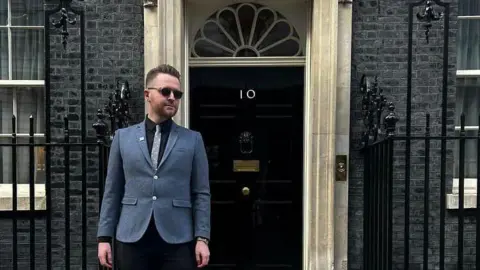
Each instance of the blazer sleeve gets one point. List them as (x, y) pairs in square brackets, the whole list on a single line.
[(114, 188), (200, 190)]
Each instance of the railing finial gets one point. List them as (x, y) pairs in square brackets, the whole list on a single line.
[(390, 120), (116, 109), (100, 127), (373, 105)]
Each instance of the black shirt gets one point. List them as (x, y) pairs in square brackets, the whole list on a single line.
[(150, 128)]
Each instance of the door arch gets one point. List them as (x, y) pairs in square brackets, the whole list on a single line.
[(247, 32)]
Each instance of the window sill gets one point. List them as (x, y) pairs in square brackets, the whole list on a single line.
[(22, 83), (23, 197), (468, 73), (469, 198)]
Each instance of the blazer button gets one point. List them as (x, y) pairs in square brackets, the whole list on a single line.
[(155, 177), (154, 198)]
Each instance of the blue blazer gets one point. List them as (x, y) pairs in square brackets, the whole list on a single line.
[(177, 193)]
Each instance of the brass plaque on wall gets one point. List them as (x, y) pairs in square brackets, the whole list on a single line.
[(246, 165)]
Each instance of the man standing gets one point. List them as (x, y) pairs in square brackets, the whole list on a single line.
[(157, 193)]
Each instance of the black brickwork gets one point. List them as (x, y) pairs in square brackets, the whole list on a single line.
[(380, 47), (113, 50)]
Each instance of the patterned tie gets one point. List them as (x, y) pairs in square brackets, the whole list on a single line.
[(156, 147)]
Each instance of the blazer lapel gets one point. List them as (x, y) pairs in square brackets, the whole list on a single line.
[(142, 142), (172, 139)]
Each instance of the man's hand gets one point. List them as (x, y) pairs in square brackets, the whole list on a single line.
[(105, 254), (202, 253)]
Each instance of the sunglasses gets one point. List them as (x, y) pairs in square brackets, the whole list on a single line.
[(177, 94)]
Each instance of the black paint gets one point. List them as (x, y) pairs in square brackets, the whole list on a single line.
[(261, 230)]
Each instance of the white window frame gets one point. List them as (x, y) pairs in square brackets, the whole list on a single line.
[(6, 190), (470, 184)]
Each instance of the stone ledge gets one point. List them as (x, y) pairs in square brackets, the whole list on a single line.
[(469, 201), (23, 197), (470, 194)]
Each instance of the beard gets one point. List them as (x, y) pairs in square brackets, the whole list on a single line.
[(166, 110)]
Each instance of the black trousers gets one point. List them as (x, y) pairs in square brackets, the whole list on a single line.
[(151, 252)]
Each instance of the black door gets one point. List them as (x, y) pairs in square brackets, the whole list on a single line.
[(251, 119)]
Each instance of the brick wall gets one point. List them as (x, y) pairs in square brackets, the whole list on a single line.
[(380, 47), (113, 50)]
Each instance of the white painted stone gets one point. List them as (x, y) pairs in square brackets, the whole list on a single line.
[(320, 185), (470, 194), (23, 197), (342, 139)]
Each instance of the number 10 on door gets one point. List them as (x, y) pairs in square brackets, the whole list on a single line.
[(250, 94)]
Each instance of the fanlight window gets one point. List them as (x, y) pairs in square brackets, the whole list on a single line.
[(246, 30)]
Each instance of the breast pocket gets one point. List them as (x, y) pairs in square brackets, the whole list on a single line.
[(181, 155)]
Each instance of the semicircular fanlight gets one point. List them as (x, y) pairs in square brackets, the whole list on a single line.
[(246, 30)]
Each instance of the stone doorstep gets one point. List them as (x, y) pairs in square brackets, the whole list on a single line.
[(23, 197)]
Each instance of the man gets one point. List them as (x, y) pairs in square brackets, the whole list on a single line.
[(157, 194)]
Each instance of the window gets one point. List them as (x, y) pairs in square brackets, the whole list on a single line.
[(468, 81), (21, 93), (246, 30)]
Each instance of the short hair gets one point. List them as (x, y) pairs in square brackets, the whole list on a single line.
[(165, 69)]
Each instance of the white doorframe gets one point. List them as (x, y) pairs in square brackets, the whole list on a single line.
[(267, 62), (167, 19)]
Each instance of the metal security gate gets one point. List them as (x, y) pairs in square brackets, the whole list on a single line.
[(406, 176), (61, 235)]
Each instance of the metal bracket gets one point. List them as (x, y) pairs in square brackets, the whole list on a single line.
[(429, 15)]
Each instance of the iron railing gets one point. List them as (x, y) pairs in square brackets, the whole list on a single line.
[(406, 221), (39, 218), (388, 232)]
